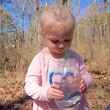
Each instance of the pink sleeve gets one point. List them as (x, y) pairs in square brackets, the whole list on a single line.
[(33, 81), (86, 76)]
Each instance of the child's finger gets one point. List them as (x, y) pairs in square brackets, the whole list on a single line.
[(82, 86), (54, 93), (82, 81), (83, 89), (55, 86)]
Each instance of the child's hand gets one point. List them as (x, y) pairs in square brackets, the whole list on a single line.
[(55, 93), (82, 86)]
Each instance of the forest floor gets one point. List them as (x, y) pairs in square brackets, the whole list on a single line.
[(12, 96)]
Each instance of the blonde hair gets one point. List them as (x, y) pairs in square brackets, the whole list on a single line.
[(56, 19)]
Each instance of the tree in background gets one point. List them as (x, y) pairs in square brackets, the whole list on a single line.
[(64, 1), (7, 29), (25, 9)]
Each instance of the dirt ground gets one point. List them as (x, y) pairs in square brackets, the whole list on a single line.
[(13, 98)]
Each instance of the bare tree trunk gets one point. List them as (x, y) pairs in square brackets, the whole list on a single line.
[(105, 1), (69, 4), (59, 2), (94, 1), (105, 5), (78, 12), (64, 2), (37, 4)]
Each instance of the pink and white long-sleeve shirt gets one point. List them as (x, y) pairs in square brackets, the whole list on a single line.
[(36, 82)]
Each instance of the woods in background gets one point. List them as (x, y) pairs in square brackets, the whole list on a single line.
[(92, 34)]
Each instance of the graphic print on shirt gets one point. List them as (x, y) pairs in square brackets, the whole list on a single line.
[(65, 80), (64, 73), (59, 77)]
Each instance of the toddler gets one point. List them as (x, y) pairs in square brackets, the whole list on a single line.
[(57, 26)]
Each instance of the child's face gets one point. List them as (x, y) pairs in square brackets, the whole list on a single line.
[(58, 43)]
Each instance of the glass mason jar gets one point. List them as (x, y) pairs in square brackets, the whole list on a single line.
[(69, 82)]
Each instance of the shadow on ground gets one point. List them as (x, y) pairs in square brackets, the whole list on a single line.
[(23, 103)]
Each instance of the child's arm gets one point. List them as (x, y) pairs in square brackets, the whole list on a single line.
[(85, 75), (33, 81)]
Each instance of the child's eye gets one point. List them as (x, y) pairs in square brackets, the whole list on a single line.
[(67, 40), (54, 41)]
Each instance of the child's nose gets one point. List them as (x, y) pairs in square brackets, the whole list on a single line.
[(61, 45)]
